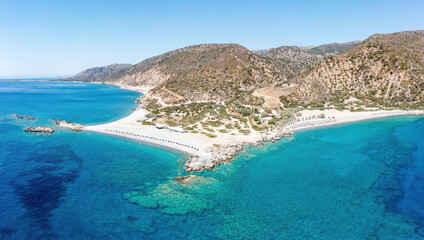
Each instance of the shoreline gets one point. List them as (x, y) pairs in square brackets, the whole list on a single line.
[(139, 89), (360, 116), (206, 153)]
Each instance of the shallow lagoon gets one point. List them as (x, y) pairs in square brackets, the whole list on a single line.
[(354, 181)]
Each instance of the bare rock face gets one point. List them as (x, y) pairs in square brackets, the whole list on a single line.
[(40, 129)]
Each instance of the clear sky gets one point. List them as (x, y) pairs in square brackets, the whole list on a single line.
[(62, 37)]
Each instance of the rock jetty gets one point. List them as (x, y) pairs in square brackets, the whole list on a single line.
[(25, 116), (73, 126), (40, 129)]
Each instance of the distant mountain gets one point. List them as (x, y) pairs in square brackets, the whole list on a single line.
[(207, 72), (332, 49), (385, 69), (261, 51), (324, 50), (293, 60), (97, 74)]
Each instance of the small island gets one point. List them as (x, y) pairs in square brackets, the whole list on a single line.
[(40, 129)]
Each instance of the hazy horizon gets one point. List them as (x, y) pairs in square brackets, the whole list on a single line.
[(47, 39)]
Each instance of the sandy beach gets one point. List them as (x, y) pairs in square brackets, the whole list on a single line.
[(193, 144), (333, 117), (200, 145)]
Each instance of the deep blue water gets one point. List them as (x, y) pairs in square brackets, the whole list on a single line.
[(355, 181)]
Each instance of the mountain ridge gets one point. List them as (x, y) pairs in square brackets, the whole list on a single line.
[(97, 74)]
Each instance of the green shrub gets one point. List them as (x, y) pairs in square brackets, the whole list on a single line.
[(209, 129), (147, 123), (171, 123), (211, 135), (257, 128), (245, 131)]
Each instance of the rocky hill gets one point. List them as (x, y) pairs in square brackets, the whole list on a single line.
[(386, 69), (332, 49), (292, 60), (97, 74), (207, 72)]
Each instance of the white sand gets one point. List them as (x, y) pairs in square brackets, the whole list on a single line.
[(194, 144), (337, 117), (198, 144)]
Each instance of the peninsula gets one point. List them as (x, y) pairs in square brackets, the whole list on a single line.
[(210, 100)]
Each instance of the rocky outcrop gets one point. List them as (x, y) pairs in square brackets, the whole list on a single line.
[(273, 136), (24, 116), (40, 129), (73, 126), (226, 153), (218, 155)]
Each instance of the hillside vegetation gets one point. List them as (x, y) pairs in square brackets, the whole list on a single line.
[(292, 60), (383, 70), (208, 72)]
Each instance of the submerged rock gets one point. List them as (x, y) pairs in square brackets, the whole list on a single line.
[(40, 129), (185, 179), (175, 198), (24, 116)]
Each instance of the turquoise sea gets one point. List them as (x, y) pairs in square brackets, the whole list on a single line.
[(355, 181)]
